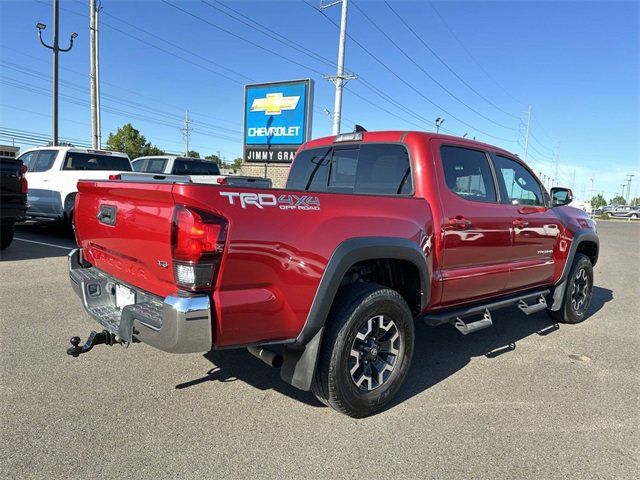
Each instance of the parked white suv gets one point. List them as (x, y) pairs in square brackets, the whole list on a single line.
[(53, 174)]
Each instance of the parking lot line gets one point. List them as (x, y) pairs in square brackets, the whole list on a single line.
[(42, 243)]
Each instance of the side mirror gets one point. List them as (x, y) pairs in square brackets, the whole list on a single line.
[(561, 196)]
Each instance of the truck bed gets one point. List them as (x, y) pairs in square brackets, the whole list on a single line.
[(278, 244)]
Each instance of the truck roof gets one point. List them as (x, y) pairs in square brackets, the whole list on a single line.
[(78, 150), (398, 136)]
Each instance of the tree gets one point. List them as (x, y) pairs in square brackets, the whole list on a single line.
[(618, 200), (635, 202), (237, 163), (130, 141), (598, 201), (193, 154), (214, 158)]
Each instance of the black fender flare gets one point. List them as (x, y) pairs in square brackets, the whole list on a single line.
[(579, 236), (300, 357)]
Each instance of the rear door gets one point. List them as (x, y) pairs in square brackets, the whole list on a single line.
[(535, 228), (475, 226)]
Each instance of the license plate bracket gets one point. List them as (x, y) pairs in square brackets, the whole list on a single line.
[(124, 296)]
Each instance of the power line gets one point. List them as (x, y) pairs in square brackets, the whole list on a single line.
[(390, 70), (431, 77), (478, 63), (197, 17), (443, 62), (133, 92)]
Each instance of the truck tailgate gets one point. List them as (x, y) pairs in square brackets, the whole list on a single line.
[(132, 238)]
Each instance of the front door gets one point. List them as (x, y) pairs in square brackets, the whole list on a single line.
[(535, 228), (475, 225)]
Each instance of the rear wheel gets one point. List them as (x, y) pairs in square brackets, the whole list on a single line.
[(366, 350), (6, 235), (577, 295)]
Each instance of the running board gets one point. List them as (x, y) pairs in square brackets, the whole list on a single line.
[(467, 328), (536, 307), (520, 299)]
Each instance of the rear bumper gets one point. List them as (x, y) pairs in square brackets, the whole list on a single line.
[(179, 323)]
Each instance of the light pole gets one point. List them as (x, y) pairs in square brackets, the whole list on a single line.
[(56, 48), (439, 121)]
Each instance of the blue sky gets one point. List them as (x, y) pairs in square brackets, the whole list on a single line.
[(575, 63)]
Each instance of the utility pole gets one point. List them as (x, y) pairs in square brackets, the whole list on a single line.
[(56, 49), (98, 75), (92, 74), (439, 122), (591, 180), (628, 197), (526, 136), (186, 131), (340, 79), (94, 55), (557, 160)]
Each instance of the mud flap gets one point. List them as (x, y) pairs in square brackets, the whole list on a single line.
[(300, 362)]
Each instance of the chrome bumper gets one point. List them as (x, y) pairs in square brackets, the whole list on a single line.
[(177, 324)]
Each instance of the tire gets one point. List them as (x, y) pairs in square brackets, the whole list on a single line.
[(355, 375), (6, 235), (578, 293)]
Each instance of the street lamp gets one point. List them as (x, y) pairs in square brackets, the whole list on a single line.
[(439, 121), (56, 49)]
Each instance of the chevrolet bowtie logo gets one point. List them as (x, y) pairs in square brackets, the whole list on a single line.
[(274, 104)]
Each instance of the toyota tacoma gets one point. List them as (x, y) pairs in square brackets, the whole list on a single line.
[(325, 278)]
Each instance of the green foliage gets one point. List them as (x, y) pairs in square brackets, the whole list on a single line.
[(193, 154), (130, 141), (635, 202), (598, 201), (618, 200), (214, 158), (237, 163)]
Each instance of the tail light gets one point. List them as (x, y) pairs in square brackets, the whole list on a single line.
[(24, 187), (222, 181), (115, 177), (197, 242)]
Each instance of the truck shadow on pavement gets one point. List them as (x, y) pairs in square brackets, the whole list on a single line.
[(439, 353), (35, 241)]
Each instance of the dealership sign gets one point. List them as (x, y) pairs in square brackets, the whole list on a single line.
[(277, 119)]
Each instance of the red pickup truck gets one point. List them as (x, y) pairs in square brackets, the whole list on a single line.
[(326, 277)]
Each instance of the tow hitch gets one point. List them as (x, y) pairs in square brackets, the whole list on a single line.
[(104, 337)]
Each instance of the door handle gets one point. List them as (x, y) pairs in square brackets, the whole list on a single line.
[(519, 223), (459, 222)]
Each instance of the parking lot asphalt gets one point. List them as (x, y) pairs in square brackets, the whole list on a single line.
[(554, 403)]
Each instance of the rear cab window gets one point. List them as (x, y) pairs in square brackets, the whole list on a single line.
[(467, 173), (185, 166), (95, 161), (369, 168)]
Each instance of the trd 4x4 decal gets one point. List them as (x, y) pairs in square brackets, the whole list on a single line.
[(284, 202)]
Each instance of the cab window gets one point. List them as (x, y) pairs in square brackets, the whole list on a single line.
[(42, 160), (518, 186), (467, 173)]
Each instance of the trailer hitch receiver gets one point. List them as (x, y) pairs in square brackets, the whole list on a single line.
[(104, 337)]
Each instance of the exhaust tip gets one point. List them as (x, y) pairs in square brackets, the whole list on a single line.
[(269, 357)]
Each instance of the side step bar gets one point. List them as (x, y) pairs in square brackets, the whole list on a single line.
[(455, 316), (467, 328)]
